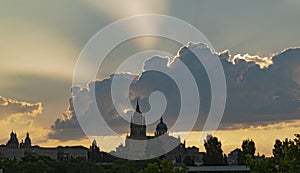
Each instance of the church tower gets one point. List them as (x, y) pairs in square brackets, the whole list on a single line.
[(27, 143), (137, 124), (13, 142)]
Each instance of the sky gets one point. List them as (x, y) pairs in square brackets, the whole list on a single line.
[(41, 42)]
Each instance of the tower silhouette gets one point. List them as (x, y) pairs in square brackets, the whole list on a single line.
[(137, 124)]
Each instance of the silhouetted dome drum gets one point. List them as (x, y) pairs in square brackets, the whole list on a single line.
[(161, 127)]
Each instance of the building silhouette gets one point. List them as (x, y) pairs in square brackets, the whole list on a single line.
[(94, 154), (27, 143), (15, 150), (13, 142), (140, 146)]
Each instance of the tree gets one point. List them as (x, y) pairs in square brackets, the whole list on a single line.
[(189, 161), (151, 168), (214, 152), (278, 151), (248, 147), (165, 167), (260, 164), (287, 154)]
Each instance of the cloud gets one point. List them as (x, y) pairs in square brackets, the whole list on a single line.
[(67, 128), (262, 62), (261, 91), (10, 107), (22, 117)]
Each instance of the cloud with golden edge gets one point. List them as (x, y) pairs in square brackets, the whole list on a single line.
[(11, 107), (21, 117), (262, 62)]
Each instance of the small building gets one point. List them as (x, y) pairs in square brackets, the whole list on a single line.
[(191, 156), (72, 152), (49, 152), (235, 157), (12, 153)]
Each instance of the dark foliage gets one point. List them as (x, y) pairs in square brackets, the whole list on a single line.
[(214, 152), (248, 147), (42, 164), (286, 158)]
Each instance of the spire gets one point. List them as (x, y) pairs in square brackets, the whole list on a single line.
[(94, 142), (137, 109)]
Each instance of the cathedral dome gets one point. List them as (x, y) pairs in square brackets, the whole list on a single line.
[(161, 127)]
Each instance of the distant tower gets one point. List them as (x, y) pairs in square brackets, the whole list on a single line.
[(137, 124), (161, 128), (94, 146), (13, 142), (27, 143), (94, 152)]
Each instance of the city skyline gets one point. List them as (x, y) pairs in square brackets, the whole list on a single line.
[(256, 42)]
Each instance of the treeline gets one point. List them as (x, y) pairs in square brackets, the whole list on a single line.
[(43, 164), (286, 155), (286, 158)]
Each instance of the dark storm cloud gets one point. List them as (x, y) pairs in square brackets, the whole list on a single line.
[(67, 128), (260, 95), (261, 91)]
